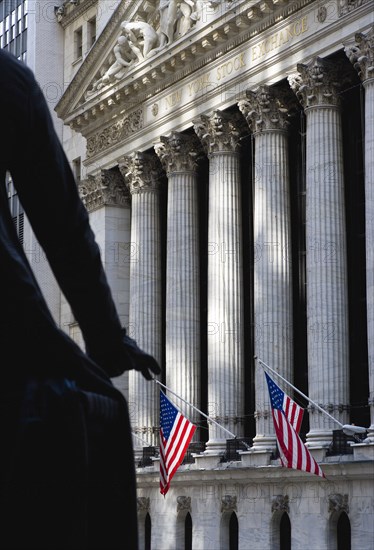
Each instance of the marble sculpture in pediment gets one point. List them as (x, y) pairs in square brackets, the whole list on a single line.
[(139, 40)]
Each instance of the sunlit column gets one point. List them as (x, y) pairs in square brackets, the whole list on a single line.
[(178, 154), (362, 57), (220, 136), (142, 172), (326, 259), (266, 113)]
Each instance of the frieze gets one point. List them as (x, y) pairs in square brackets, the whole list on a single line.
[(346, 6), (117, 132), (162, 72)]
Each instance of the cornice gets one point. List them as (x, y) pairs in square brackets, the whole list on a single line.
[(70, 12), (101, 45), (200, 46)]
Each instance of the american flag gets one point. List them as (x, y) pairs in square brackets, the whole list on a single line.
[(287, 421), (176, 432)]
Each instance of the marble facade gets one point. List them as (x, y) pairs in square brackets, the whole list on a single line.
[(215, 141)]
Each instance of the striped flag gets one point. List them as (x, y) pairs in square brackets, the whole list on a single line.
[(287, 421), (176, 432)]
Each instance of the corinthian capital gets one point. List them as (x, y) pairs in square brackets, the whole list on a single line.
[(142, 172), (317, 83), (264, 109), (361, 55), (219, 132), (107, 188), (179, 152)]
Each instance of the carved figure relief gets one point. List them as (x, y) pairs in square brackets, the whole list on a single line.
[(139, 40)]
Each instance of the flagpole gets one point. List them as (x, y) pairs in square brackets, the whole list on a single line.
[(196, 409), (347, 428)]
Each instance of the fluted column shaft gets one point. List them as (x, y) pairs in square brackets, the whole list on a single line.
[(326, 258), (266, 114), (178, 154), (362, 57), (145, 319), (369, 216), (225, 303)]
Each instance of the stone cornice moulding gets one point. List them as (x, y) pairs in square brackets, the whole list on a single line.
[(71, 12), (186, 55), (96, 53)]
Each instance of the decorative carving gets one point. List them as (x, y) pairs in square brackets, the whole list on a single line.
[(228, 503), (143, 504), (361, 55), (321, 14), (220, 131), (124, 57), (265, 109), (142, 38), (345, 6), (317, 84), (179, 152), (142, 171), (183, 504), (106, 188), (118, 131), (154, 109), (280, 503), (338, 503)]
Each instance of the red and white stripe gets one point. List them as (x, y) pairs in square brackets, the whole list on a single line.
[(173, 449), (293, 412), (292, 450)]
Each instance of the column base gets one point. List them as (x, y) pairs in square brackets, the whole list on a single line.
[(317, 439), (256, 457), (267, 443), (370, 437), (363, 451), (215, 446), (206, 461), (318, 453)]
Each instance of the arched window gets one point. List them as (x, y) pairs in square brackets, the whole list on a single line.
[(233, 532), (188, 532), (343, 532), (285, 532), (147, 532)]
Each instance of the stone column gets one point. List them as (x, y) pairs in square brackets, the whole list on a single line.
[(143, 171), (107, 199), (266, 113), (178, 154), (362, 57), (220, 136), (326, 258)]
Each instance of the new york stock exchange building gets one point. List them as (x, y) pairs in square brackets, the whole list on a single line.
[(227, 160)]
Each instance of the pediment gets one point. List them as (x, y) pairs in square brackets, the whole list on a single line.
[(138, 33), (149, 45)]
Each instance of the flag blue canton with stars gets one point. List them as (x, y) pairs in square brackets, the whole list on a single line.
[(276, 394), (168, 414)]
